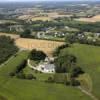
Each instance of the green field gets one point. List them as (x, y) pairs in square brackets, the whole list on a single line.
[(89, 59), (18, 89)]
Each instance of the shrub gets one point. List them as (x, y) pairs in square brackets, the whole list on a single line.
[(50, 80), (76, 72), (67, 83), (21, 75), (58, 49), (11, 74), (37, 55), (70, 38), (64, 63), (74, 82), (21, 66), (30, 77), (25, 34)]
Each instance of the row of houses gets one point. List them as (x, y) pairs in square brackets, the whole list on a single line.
[(89, 35)]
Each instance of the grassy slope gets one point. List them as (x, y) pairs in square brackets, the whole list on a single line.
[(38, 75), (89, 59), (16, 89)]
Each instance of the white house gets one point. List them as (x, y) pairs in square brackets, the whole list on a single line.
[(46, 68)]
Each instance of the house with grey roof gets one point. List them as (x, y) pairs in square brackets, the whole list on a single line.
[(46, 68)]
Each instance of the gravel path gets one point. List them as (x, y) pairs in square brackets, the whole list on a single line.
[(88, 93)]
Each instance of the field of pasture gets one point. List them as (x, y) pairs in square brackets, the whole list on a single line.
[(89, 59), (20, 89)]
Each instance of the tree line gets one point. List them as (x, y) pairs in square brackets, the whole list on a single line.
[(66, 69), (7, 48)]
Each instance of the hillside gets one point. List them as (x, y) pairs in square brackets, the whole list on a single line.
[(17, 89), (89, 59)]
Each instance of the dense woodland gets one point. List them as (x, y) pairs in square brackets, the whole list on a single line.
[(7, 48)]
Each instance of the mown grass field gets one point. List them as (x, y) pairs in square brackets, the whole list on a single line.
[(89, 59), (18, 89)]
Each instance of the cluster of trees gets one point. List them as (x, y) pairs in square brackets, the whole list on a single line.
[(42, 25), (26, 34), (59, 48), (72, 38), (63, 79), (85, 27), (90, 42), (65, 63), (5, 26), (82, 26), (66, 68), (7, 48), (18, 72), (58, 23), (37, 55), (19, 68), (22, 75)]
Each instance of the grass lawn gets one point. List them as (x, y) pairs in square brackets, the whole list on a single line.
[(89, 59), (18, 89), (40, 76), (34, 63)]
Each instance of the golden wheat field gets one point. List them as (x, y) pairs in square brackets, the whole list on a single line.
[(29, 44), (44, 45), (43, 18), (93, 19)]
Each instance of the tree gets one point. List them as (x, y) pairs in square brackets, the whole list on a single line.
[(11, 74), (58, 49), (26, 33), (74, 82), (21, 75), (21, 66), (37, 55), (50, 80), (70, 38), (7, 48), (65, 63), (30, 77), (76, 72)]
